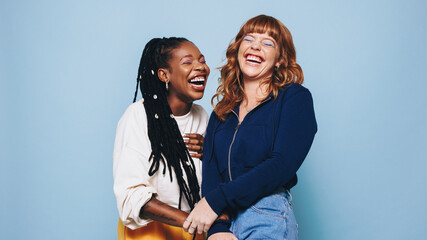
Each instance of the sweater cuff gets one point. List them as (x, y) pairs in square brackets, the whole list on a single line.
[(216, 200), (219, 226)]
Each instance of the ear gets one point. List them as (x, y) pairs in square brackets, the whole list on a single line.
[(279, 62), (163, 74)]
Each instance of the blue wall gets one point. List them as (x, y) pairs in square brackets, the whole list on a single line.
[(68, 70)]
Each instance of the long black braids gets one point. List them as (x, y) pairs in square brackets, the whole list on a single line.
[(167, 144)]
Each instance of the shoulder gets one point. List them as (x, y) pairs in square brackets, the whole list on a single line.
[(135, 109), (293, 90), (132, 129), (134, 114), (199, 110)]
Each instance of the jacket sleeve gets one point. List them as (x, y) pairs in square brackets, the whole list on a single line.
[(132, 187), (210, 174), (294, 137)]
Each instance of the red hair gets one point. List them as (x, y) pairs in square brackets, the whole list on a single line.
[(230, 91)]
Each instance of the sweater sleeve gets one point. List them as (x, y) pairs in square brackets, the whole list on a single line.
[(294, 137), (131, 181), (211, 177)]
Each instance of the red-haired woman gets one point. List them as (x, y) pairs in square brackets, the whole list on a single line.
[(257, 137)]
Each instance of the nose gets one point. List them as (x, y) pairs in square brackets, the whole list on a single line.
[(255, 45), (201, 67)]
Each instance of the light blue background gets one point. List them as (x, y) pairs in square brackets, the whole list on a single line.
[(68, 71)]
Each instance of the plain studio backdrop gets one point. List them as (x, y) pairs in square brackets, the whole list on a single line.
[(68, 72)]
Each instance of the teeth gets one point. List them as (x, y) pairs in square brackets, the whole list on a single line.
[(254, 58), (198, 79)]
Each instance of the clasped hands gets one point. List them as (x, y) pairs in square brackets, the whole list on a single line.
[(201, 219)]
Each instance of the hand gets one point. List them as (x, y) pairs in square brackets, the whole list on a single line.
[(222, 236), (200, 218), (223, 216), (194, 143)]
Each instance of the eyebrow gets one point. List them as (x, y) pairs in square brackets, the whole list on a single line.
[(263, 38), (189, 55)]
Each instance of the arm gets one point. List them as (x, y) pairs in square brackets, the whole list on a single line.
[(295, 135), (293, 140), (159, 211), (135, 196), (132, 185), (211, 179)]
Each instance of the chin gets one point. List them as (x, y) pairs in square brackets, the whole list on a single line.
[(251, 76), (194, 96), (200, 96)]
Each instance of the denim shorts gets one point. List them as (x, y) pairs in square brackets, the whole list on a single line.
[(271, 217)]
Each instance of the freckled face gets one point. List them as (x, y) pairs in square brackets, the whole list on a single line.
[(258, 55), (188, 73)]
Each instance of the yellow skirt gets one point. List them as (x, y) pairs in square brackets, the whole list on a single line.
[(154, 231)]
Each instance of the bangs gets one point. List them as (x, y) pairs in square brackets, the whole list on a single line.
[(262, 24)]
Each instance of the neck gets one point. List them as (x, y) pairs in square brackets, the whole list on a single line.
[(178, 107), (254, 91)]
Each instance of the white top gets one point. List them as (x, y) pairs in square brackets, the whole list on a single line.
[(133, 186)]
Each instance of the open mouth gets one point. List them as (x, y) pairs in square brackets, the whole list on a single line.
[(198, 82), (254, 59)]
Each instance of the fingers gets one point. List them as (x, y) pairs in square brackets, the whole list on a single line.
[(194, 147), (187, 223), (206, 228), (194, 143), (224, 216), (196, 155), (201, 230), (195, 136), (192, 228), (200, 218)]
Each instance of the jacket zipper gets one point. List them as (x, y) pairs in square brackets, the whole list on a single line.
[(234, 136), (229, 150)]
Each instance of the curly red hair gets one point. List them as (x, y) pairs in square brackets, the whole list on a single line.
[(230, 91)]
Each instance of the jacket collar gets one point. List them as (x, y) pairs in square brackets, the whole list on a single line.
[(236, 108)]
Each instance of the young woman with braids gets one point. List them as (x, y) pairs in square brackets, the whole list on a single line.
[(257, 137), (156, 178)]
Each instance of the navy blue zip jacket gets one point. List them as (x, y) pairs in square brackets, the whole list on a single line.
[(243, 162)]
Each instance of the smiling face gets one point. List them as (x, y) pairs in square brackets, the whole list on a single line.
[(257, 56), (187, 73)]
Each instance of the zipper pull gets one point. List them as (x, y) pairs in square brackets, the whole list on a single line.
[(237, 127)]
